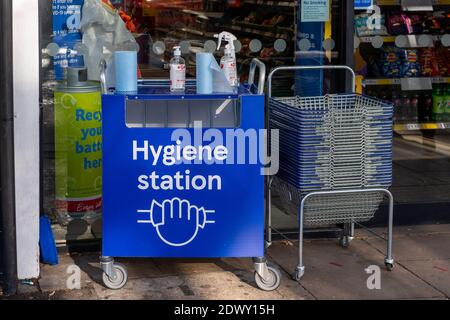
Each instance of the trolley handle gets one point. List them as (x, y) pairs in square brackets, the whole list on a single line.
[(334, 67), (103, 76), (262, 74)]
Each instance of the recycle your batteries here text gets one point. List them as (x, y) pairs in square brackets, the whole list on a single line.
[(87, 134)]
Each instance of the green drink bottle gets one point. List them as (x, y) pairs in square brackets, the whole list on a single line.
[(438, 103)]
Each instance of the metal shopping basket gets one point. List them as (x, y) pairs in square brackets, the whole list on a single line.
[(335, 160)]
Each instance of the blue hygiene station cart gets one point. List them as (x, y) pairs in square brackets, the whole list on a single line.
[(182, 176)]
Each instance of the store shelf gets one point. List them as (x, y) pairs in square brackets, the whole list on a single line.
[(248, 59), (412, 39), (398, 81), (421, 126), (290, 4), (262, 33), (398, 2), (186, 30), (204, 14)]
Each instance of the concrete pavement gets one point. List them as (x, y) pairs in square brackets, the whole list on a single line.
[(422, 271)]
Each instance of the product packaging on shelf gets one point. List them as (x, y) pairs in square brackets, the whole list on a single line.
[(410, 63), (364, 28), (391, 63), (428, 62)]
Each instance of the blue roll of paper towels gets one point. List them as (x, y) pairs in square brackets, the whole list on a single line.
[(125, 64), (204, 73)]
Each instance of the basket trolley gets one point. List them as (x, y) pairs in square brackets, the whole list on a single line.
[(335, 160), (155, 207)]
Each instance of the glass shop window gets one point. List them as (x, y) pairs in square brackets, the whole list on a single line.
[(77, 33)]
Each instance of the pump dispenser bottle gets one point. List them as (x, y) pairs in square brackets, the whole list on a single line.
[(177, 71)]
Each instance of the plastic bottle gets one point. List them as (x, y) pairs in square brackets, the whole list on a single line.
[(228, 61), (406, 108), (425, 107), (438, 103), (228, 65), (396, 100), (447, 103), (414, 108), (177, 71)]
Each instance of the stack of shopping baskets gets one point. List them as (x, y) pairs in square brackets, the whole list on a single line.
[(335, 156)]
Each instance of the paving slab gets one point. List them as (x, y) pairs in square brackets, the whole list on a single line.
[(26, 296), (404, 231), (142, 268), (138, 289), (428, 194), (403, 177), (211, 286), (186, 266), (164, 279), (417, 247), (333, 272), (86, 293), (234, 264), (54, 278), (434, 272), (30, 288)]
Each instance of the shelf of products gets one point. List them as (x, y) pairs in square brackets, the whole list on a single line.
[(394, 22), (399, 2), (410, 66), (398, 81), (421, 126), (265, 21), (204, 14), (289, 4), (261, 33), (411, 41)]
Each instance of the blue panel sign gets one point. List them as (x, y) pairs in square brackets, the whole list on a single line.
[(181, 198), (363, 4), (66, 33), (309, 83)]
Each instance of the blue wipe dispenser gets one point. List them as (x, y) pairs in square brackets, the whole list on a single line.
[(125, 63)]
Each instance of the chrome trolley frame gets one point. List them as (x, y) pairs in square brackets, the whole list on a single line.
[(338, 205)]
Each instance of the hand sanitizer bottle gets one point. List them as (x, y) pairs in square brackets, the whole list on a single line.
[(177, 71), (228, 65), (228, 61)]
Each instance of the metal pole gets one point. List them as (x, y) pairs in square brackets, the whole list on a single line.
[(300, 269), (390, 226), (345, 43), (7, 185)]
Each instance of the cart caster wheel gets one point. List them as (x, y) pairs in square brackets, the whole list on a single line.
[(121, 277), (389, 266), (298, 273), (273, 281), (344, 241)]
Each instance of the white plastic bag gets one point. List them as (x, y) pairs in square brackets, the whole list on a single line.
[(104, 32)]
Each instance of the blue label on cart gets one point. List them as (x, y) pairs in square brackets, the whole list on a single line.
[(182, 192)]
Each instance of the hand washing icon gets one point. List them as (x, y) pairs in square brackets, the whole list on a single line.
[(176, 221)]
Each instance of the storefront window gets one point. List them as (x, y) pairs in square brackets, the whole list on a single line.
[(399, 55), (73, 36)]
